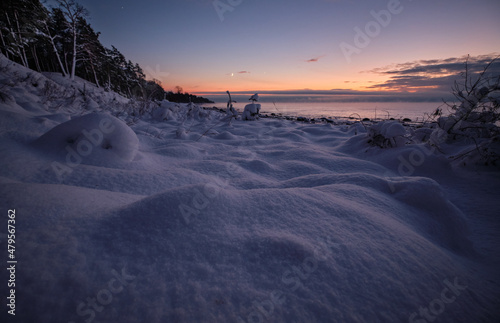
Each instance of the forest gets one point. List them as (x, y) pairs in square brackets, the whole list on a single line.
[(60, 39)]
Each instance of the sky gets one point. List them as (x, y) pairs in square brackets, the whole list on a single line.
[(297, 45)]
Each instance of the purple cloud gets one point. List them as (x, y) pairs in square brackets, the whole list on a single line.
[(312, 60), (434, 75)]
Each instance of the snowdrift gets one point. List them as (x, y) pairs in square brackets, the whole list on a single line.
[(97, 139), (193, 219)]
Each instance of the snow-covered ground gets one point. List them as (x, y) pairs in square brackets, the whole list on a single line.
[(181, 216)]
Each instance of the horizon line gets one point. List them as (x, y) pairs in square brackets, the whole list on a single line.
[(344, 95)]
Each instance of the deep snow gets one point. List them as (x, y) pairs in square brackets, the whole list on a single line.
[(182, 216)]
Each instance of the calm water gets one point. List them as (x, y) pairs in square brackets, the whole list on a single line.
[(413, 110)]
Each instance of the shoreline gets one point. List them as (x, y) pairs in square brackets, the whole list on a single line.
[(336, 120), (373, 110)]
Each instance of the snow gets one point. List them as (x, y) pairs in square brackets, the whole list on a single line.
[(190, 218), (388, 134), (251, 112), (254, 97), (166, 111), (95, 138)]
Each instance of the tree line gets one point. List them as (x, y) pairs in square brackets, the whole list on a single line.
[(61, 40)]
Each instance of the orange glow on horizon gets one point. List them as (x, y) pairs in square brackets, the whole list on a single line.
[(366, 87)]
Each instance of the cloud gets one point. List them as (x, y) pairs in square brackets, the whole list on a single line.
[(240, 72), (416, 81), (437, 75), (312, 60)]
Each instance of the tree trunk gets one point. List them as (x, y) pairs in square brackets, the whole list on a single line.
[(66, 62), (73, 67), (4, 45), (63, 70), (14, 37), (93, 71), (35, 57), (22, 51)]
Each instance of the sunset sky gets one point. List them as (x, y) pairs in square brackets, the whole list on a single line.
[(278, 45)]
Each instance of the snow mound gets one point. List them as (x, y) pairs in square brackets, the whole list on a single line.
[(226, 136), (436, 217), (192, 240), (94, 139)]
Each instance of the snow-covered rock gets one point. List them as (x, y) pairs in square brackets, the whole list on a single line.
[(251, 112)]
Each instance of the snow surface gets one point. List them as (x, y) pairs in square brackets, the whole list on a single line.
[(185, 217)]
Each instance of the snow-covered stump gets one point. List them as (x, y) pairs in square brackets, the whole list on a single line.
[(251, 112), (95, 139)]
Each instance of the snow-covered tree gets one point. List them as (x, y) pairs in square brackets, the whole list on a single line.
[(20, 25), (61, 39), (73, 12), (52, 29), (92, 52), (478, 107)]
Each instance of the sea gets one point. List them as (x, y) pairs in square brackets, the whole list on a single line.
[(415, 111)]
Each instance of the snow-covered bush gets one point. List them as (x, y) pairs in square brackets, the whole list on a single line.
[(231, 112), (475, 117), (166, 111), (196, 112), (387, 134), (478, 108), (4, 96), (422, 134)]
